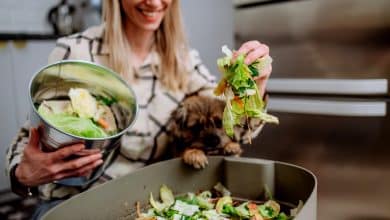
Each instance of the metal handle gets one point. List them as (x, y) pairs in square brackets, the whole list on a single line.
[(328, 107), (329, 86)]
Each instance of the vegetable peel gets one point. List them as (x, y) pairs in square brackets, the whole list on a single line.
[(192, 206)]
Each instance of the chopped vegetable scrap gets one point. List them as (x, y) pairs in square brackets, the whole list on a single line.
[(83, 115), (240, 90), (206, 205)]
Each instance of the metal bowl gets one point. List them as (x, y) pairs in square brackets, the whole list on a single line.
[(244, 177), (54, 81)]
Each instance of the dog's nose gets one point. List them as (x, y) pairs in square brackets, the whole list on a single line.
[(212, 140)]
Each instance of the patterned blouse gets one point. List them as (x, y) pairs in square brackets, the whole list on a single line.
[(146, 139)]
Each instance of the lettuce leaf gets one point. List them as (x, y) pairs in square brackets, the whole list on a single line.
[(82, 127), (242, 96)]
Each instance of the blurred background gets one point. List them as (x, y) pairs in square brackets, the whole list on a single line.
[(329, 88), (329, 85)]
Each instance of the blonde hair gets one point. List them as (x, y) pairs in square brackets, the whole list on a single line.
[(170, 44)]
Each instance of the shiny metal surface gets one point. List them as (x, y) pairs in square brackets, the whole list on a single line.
[(328, 106), (324, 39), (54, 81), (362, 87)]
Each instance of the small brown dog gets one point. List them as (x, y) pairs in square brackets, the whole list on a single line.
[(196, 130)]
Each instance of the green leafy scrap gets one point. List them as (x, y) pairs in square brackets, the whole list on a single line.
[(190, 207), (240, 90)]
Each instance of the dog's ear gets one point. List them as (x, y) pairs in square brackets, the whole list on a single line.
[(180, 115), (178, 120)]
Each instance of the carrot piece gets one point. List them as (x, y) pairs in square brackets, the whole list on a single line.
[(239, 102), (220, 87), (103, 123), (252, 206), (254, 212)]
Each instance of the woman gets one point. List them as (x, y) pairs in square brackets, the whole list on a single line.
[(144, 42)]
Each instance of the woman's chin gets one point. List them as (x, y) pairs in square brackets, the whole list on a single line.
[(151, 26)]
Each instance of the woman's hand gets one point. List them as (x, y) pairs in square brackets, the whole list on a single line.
[(38, 167), (254, 50)]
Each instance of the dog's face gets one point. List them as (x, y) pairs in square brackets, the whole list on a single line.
[(197, 123)]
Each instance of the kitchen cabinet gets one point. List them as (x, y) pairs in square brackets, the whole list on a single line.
[(18, 62)]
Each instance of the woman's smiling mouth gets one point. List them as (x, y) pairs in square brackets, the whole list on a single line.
[(150, 14)]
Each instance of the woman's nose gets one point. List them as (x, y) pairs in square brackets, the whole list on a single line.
[(154, 3)]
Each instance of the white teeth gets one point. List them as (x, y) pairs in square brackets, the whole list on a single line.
[(149, 14)]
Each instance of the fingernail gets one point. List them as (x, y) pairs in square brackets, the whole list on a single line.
[(33, 131), (95, 156), (99, 162)]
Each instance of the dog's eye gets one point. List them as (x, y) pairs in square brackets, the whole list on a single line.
[(217, 122)]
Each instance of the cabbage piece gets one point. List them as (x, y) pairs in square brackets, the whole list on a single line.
[(74, 125), (167, 198), (294, 212), (230, 210), (203, 200), (167, 195), (226, 200), (177, 217), (228, 119), (188, 207), (158, 206), (242, 210), (270, 209), (184, 208), (222, 189), (213, 215), (56, 107), (83, 103), (189, 198)]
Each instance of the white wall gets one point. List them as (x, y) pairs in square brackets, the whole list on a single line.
[(25, 16), (8, 110), (209, 25), (17, 65)]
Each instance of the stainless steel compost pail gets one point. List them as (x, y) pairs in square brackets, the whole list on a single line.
[(54, 81)]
